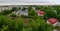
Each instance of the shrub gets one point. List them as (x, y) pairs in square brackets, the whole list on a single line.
[(18, 24), (5, 28), (58, 17), (5, 12), (57, 8), (15, 9), (32, 14), (13, 15), (49, 27), (51, 14), (6, 22), (23, 9), (23, 16)]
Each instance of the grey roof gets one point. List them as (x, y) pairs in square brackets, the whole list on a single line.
[(27, 2), (21, 12)]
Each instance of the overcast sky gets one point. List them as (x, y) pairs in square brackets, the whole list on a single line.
[(30, 1)]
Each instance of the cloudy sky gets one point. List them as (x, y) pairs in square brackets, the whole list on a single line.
[(29, 1)]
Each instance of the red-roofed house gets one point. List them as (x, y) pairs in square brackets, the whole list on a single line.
[(52, 21), (40, 13)]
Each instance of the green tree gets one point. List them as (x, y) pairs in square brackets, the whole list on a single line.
[(15, 9), (13, 15), (58, 17), (18, 24), (49, 27), (5, 28), (32, 13), (5, 12), (57, 8), (23, 9), (51, 14)]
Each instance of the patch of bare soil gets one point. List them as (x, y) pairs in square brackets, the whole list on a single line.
[(26, 22)]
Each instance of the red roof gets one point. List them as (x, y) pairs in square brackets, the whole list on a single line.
[(52, 20), (40, 12)]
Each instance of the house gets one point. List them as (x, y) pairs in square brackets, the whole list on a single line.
[(41, 13), (21, 12), (52, 21), (9, 7)]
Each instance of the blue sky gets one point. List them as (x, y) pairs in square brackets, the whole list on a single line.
[(30, 1)]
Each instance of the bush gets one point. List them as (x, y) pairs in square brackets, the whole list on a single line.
[(18, 24), (49, 27), (58, 17), (15, 9), (23, 16), (23, 9), (15, 24), (5, 28), (5, 12), (57, 8), (51, 14), (32, 14), (13, 15)]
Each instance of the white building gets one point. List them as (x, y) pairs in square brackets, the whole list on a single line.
[(20, 12), (8, 7)]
